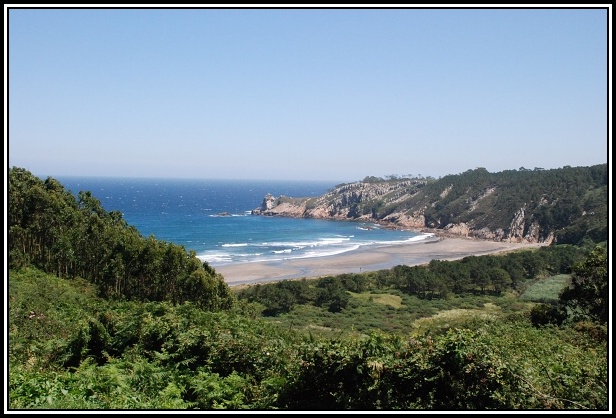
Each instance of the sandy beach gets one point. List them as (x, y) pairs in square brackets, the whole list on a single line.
[(362, 260)]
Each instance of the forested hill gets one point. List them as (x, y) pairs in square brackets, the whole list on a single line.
[(565, 205), (70, 237)]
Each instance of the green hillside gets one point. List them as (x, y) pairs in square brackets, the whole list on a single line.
[(101, 318)]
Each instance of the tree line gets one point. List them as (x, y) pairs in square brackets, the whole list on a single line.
[(489, 274)]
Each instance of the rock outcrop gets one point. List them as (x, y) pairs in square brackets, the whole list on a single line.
[(474, 204), (339, 205)]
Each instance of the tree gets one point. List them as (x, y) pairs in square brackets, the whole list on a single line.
[(500, 279), (276, 300), (332, 294), (480, 277), (588, 292)]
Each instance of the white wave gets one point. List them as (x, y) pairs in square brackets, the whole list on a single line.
[(288, 250), (281, 250), (312, 254), (421, 237), (418, 238), (279, 255), (340, 239), (306, 244), (228, 258), (215, 258), (297, 244)]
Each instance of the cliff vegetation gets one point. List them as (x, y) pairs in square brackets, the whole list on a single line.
[(565, 205)]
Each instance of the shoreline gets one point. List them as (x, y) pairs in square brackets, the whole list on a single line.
[(364, 259)]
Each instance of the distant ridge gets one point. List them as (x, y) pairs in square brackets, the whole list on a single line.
[(564, 205)]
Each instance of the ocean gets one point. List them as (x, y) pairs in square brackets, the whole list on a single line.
[(212, 217)]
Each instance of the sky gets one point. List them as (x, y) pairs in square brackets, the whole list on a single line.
[(305, 93)]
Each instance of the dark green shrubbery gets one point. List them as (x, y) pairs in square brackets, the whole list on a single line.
[(68, 349), (96, 343)]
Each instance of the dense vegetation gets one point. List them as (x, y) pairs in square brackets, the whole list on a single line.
[(568, 204), (70, 349), (50, 229), (558, 200), (479, 333), (473, 275)]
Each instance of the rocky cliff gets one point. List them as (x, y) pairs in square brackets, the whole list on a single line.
[(514, 206)]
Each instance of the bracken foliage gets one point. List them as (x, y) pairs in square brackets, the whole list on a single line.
[(100, 318)]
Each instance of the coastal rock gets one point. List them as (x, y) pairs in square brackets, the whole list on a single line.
[(340, 207), (458, 229), (475, 204), (516, 229), (415, 220), (288, 209), (281, 206), (268, 203)]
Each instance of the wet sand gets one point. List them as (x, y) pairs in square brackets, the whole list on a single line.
[(362, 260)]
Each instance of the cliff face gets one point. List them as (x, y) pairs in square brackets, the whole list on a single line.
[(341, 204), (512, 207)]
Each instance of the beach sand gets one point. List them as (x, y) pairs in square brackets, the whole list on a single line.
[(362, 260)]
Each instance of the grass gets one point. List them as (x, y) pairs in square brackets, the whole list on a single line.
[(546, 290), (453, 318), (394, 301)]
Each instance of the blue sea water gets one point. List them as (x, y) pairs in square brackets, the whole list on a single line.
[(212, 217)]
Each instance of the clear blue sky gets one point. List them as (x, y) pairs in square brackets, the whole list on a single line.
[(312, 94)]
